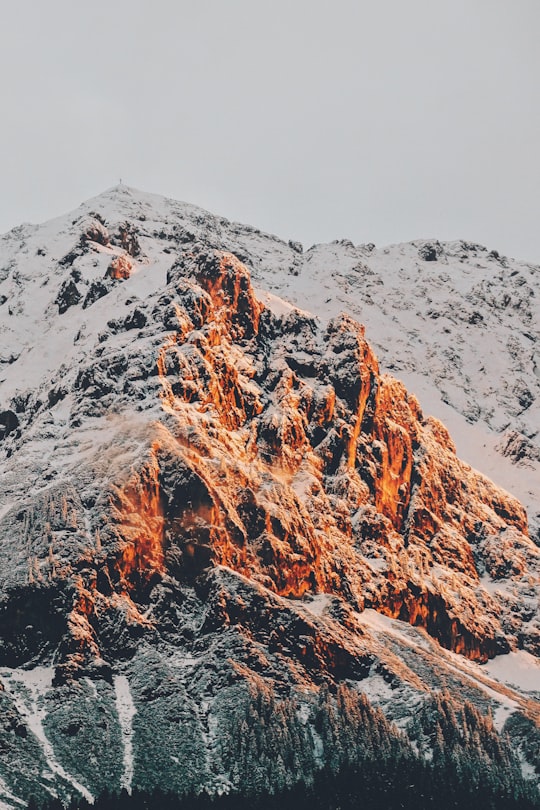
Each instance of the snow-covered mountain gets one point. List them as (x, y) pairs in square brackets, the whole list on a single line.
[(211, 500)]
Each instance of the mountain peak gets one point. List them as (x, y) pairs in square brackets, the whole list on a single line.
[(212, 501)]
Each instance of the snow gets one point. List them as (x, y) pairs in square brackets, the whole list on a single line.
[(519, 669), (528, 770), (417, 313), (318, 746), (30, 703), (183, 660), (507, 700), (319, 603), (476, 443), (302, 484), (410, 636), (376, 689), (5, 509), (126, 711), (417, 317), (278, 306), (503, 712), (377, 563), (304, 715), (495, 586)]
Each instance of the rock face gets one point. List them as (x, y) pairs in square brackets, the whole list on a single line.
[(120, 268), (209, 496)]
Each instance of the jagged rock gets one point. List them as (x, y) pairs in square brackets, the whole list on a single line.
[(135, 320), (429, 252), (127, 239), (8, 423), (519, 448), (373, 447), (96, 291), (68, 259), (68, 296), (218, 503), (296, 246), (120, 268), (95, 231)]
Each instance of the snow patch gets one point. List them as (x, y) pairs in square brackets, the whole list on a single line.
[(414, 638), (319, 603), (376, 689), (518, 669), (408, 635), (277, 306), (126, 711), (185, 660), (5, 509), (527, 769)]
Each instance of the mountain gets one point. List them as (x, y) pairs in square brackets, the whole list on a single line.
[(234, 551)]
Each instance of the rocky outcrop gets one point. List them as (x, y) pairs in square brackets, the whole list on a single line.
[(215, 494), (519, 448), (68, 296), (120, 268), (284, 455), (127, 239), (9, 422), (95, 230)]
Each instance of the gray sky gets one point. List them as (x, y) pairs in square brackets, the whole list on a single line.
[(379, 121)]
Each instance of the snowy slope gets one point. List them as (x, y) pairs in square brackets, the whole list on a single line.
[(462, 330)]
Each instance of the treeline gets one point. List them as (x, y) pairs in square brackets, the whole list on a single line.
[(403, 786), (451, 757)]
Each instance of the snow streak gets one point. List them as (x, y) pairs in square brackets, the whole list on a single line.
[(126, 711), (37, 683)]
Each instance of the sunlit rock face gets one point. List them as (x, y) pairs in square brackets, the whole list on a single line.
[(207, 478), (274, 448), (308, 464)]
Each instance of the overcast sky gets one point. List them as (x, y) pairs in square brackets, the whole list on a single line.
[(379, 121)]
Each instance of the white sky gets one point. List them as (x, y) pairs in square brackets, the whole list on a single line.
[(380, 121)]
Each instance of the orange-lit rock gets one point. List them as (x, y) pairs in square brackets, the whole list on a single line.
[(359, 439), (227, 512), (228, 284), (120, 268), (395, 426), (278, 450), (140, 519)]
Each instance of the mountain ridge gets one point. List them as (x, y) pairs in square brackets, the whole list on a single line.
[(199, 479), (433, 371)]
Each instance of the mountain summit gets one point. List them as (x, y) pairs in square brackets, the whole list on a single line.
[(233, 550)]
